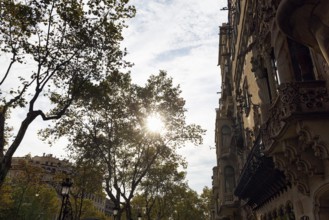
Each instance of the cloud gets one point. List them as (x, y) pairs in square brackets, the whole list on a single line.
[(181, 37)]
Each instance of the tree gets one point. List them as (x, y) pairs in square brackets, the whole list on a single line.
[(53, 50), (206, 202), (156, 189), (6, 200), (186, 204), (111, 127), (87, 179), (89, 211), (26, 196), (178, 203)]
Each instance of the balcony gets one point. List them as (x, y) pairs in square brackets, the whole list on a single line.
[(296, 101), (259, 180)]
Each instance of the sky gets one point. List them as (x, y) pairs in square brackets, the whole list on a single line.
[(180, 37)]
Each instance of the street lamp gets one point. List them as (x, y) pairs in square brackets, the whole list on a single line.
[(139, 216), (115, 212), (66, 185)]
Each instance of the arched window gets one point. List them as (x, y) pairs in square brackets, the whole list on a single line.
[(229, 178), (281, 212), (274, 214), (321, 205), (289, 215), (301, 61), (269, 216), (226, 136)]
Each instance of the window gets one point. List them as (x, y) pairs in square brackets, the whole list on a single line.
[(226, 136), (274, 68), (238, 10), (289, 211), (301, 61), (229, 179)]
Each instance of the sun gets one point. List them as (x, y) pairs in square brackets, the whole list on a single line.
[(154, 123)]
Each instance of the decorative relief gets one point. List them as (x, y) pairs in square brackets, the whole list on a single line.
[(262, 18), (304, 167), (304, 94), (314, 98), (320, 151), (257, 118), (325, 67), (303, 188), (306, 140), (298, 179), (249, 136), (296, 98), (290, 151), (280, 162), (299, 158), (257, 66)]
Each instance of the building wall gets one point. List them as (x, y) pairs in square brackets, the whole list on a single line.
[(275, 106), (52, 167)]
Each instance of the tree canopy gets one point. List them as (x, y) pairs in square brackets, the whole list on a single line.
[(26, 196), (178, 202), (156, 191), (108, 126), (51, 51)]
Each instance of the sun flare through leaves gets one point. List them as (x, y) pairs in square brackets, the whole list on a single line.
[(154, 123)]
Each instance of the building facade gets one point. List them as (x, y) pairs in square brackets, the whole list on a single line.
[(272, 123), (53, 171)]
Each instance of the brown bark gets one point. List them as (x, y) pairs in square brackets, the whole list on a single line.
[(5, 162)]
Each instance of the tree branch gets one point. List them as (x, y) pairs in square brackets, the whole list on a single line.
[(13, 60)]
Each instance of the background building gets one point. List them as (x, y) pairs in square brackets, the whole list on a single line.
[(53, 170), (272, 122)]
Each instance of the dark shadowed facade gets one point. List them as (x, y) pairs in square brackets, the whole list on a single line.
[(272, 124)]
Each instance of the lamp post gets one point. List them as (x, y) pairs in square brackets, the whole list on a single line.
[(139, 216), (115, 212), (66, 185)]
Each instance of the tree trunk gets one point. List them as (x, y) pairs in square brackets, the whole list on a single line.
[(2, 134), (128, 211), (5, 163)]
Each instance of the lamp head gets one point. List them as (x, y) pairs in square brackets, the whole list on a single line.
[(66, 185), (115, 211)]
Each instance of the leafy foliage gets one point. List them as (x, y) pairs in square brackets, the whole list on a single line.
[(52, 51), (179, 202), (157, 188), (206, 202), (26, 196), (87, 179), (108, 126), (89, 211)]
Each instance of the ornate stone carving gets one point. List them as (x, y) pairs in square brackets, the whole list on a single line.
[(298, 179), (325, 67), (264, 14), (306, 140), (295, 158), (320, 151), (296, 98), (257, 118), (257, 66)]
